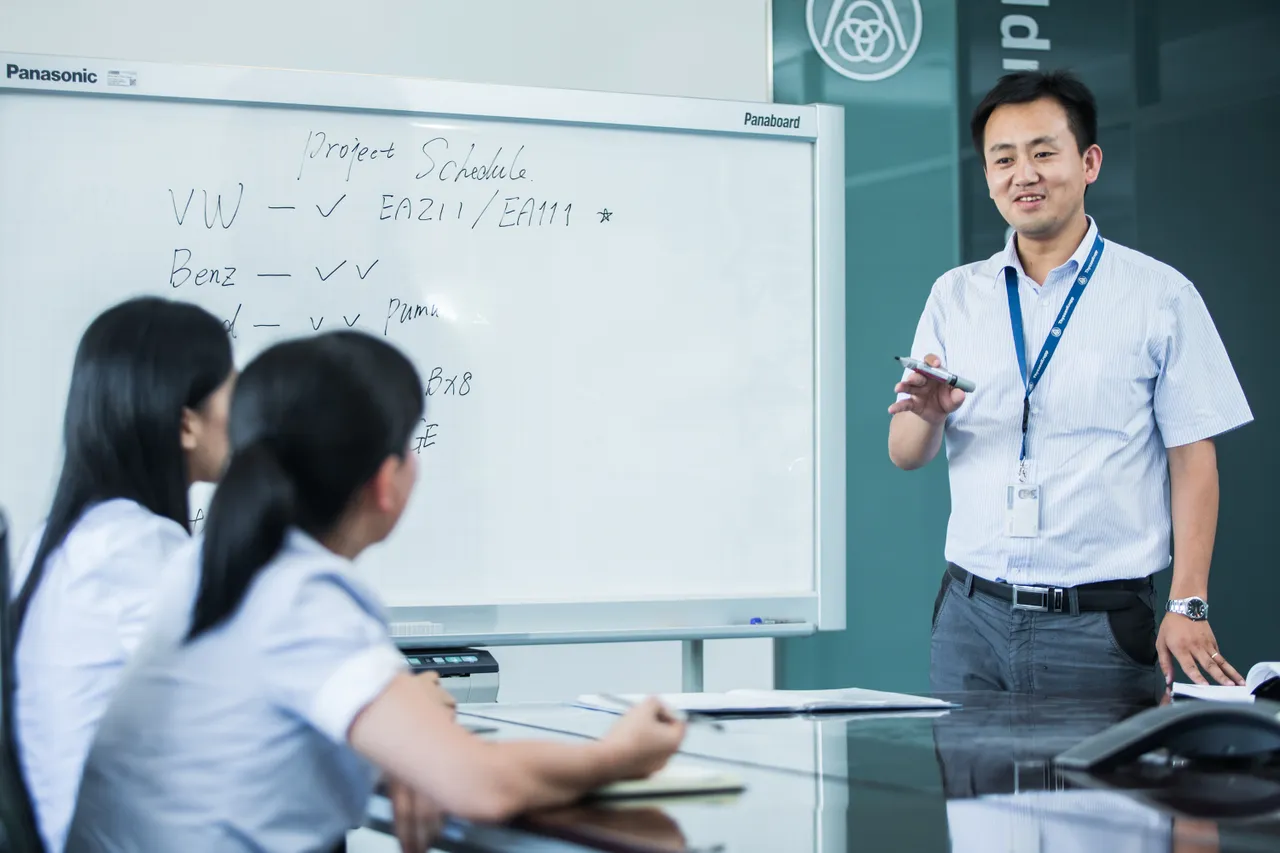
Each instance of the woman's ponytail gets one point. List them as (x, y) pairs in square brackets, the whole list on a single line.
[(252, 510)]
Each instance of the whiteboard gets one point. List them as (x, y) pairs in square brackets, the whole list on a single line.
[(627, 311)]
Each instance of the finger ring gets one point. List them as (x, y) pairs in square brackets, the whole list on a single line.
[(1215, 655)]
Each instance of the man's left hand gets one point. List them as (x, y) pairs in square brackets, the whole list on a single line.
[(1195, 648)]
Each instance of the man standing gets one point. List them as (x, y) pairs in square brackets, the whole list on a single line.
[(1100, 384)]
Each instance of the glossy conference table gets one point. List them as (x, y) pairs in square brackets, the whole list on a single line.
[(978, 778)]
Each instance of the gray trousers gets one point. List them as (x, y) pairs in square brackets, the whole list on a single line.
[(982, 643)]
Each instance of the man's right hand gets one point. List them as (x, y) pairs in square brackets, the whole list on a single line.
[(930, 399)]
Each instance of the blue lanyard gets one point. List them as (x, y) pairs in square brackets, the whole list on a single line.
[(1055, 334)]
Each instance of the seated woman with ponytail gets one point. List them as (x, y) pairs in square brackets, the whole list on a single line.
[(268, 696), (146, 417)]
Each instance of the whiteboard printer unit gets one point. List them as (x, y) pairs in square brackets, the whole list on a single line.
[(470, 675)]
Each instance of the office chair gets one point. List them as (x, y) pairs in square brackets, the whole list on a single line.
[(20, 834)]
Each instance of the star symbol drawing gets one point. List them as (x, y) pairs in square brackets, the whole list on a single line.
[(605, 214)]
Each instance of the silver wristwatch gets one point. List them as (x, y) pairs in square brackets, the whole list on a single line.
[(1194, 608)]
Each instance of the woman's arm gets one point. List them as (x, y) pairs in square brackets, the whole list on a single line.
[(413, 736)]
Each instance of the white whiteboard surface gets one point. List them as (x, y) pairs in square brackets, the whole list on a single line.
[(627, 309)]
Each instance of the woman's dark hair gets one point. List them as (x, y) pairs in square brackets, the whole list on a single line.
[(1024, 87), (312, 420), (139, 364)]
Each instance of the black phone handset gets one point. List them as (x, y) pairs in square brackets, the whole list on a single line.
[(1204, 731)]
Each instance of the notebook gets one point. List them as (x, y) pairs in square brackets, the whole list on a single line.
[(672, 780), (778, 701), (1258, 674)]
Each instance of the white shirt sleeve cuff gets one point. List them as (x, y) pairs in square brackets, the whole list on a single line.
[(1179, 436), (356, 682)]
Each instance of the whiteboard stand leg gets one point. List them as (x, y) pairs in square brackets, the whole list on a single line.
[(691, 666)]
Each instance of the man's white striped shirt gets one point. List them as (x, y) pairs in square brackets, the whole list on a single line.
[(1139, 368)]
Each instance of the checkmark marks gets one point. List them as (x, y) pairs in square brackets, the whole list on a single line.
[(368, 270), (332, 209), (324, 277)]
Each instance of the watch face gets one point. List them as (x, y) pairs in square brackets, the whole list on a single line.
[(1197, 608)]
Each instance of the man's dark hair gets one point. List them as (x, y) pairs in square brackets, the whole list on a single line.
[(1023, 87)]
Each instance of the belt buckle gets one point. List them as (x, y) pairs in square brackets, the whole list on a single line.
[(1043, 592)]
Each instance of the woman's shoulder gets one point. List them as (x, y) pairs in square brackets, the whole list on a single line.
[(123, 533), (305, 573)]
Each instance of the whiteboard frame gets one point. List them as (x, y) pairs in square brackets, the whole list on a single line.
[(819, 126)]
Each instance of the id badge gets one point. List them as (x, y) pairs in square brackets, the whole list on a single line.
[(1022, 510)]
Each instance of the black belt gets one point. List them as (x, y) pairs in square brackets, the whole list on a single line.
[(1103, 595)]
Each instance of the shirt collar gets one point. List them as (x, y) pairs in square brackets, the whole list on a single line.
[(302, 544), (1009, 257)]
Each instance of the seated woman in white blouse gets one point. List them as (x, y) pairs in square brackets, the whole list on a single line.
[(146, 417), (268, 695)]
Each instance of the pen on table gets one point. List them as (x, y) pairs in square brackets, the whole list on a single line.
[(676, 714)]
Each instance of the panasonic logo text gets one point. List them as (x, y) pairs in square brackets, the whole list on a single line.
[(84, 75)]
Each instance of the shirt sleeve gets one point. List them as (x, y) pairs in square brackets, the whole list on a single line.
[(929, 333), (1197, 394), (327, 657)]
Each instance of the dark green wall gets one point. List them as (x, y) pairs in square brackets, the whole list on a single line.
[(1206, 176), (902, 232), (1190, 114)]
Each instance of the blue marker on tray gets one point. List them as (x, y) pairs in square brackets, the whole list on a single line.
[(756, 620)]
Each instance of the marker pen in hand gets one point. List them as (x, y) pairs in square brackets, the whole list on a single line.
[(937, 373)]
